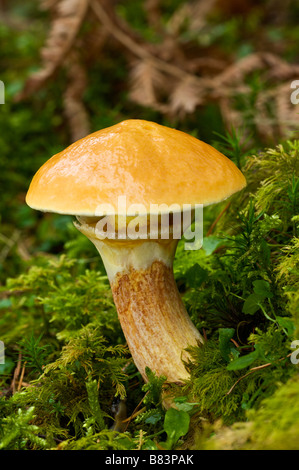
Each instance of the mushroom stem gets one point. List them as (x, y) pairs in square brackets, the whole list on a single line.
[(153, 317)]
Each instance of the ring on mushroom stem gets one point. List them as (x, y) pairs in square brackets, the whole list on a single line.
[(149, 164)]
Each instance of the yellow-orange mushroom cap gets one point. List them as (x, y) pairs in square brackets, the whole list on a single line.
[(147, 162)]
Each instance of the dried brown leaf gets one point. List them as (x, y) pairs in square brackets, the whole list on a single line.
[(74, 108), (194, 13), (273, 66), (264, 119), (279, 69), (231, 116), (287, 112), (153, 13), (237, 71), (48, 4), (185, 97), (68, 18), (146, 83)]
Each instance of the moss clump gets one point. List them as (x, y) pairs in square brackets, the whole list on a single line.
[(274, 426), (209, 383)]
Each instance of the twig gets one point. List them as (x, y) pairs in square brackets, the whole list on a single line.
[(133, 415), (9, 243), (140, 441), (218, 218), (57, 47), (235, 343), (135, 48), (134, 412), (253, 370), (7, 293), (16, 374), (22, 377)]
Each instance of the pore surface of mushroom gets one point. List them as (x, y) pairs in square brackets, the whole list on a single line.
[(151, 166)]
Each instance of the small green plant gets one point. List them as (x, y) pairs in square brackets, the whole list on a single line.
[(18, 432), (34, 354), (176, 425), (233, 145), (97, 418)]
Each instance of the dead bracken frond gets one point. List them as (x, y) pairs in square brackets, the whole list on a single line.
[(185, 97), (74, 109), (176, 75), (68, 17), (146, 84)]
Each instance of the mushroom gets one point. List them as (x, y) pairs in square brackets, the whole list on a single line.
[(151, 166)]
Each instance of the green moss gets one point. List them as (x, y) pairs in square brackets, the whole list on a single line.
[(210, 382), (274, 426)]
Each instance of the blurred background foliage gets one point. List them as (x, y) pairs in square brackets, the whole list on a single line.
[(219, 70)]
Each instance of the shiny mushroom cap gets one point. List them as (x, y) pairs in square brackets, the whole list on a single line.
[(144, 161)]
